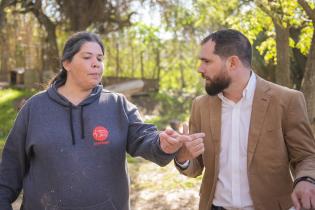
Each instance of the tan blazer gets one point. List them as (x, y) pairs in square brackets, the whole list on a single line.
[(279, 138)]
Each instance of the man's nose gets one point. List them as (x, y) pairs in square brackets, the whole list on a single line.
[(200, 69)]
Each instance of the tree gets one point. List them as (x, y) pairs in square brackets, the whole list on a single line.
[(50, 48), (281, 12), (308, 84), (3, 43), (104, 15), (107, 16)]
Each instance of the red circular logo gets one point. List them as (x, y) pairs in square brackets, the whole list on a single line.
[(100, 133)]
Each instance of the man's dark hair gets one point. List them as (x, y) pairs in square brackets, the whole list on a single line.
[(230, 42)]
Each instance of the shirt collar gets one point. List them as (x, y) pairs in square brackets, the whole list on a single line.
[(249, 90)]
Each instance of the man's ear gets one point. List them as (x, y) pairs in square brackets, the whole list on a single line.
[(66, 65), (233, 62)]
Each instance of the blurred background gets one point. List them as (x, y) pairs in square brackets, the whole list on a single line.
[(151, 56)]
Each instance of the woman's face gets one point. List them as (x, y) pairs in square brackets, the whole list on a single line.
[(86, 67)]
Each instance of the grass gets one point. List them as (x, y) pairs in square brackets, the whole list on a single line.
[(146, 175), (9, 99)]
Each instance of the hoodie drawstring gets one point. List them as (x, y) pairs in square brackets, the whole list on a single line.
[(82, 123), (60, 99), (71, 123)]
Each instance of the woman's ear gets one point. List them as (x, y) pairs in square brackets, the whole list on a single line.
[(66, 65)]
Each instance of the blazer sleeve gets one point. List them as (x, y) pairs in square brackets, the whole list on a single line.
[(196, 165), (299, 137)]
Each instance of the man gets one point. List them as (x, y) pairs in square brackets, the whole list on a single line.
[(256, 133)]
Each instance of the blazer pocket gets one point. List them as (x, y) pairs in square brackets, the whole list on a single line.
[(106, 205), (276, 156), (271, 128)]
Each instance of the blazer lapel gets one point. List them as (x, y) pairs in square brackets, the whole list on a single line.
[(215, 125), (260, 104)]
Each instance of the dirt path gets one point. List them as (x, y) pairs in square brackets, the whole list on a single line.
[(155, 188)]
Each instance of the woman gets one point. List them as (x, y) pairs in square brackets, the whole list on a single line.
[(67, 147)]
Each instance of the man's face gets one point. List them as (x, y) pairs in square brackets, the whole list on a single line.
[(213, 69)]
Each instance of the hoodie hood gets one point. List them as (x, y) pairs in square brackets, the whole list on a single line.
[(60, 99), (63, 101)]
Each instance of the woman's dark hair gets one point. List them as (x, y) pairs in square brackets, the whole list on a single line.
[(230, 42), (72, 46)]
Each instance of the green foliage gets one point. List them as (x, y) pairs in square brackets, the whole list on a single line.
[(133, 52), (212, 14), (260, 16), (143, 50), (285, 12), (305, 39), (8, 109), (251, 21), (173, 106), (268, 50)]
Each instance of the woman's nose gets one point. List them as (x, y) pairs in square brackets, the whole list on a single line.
[(95, 63)]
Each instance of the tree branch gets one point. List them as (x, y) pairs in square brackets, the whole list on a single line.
[(268, 12), (309, 11), (7, 3), (3, 5)]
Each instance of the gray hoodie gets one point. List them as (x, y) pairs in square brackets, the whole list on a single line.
[(74, 157)]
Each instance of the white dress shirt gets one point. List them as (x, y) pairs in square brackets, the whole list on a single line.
[(232, 189)]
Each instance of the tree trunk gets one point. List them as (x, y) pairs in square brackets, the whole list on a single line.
[(117, 59), (4, 71), (308, 83), (283, 75), (51, 63), (157, 69), (133, 68), (299, 59), (182, 69), (141, 65)]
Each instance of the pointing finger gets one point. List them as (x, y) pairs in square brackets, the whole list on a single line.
[(171, 132), (197, 135), (185, 129), (168, 139)]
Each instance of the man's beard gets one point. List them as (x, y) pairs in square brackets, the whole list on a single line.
[(218, 84)]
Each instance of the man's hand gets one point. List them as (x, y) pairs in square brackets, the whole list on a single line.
[(303, 195), (169, 141), (192, 145)]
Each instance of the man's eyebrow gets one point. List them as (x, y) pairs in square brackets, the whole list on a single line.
[(204, 59)]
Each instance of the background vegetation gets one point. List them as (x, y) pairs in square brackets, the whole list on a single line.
[(155, 39), (158, 39)]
